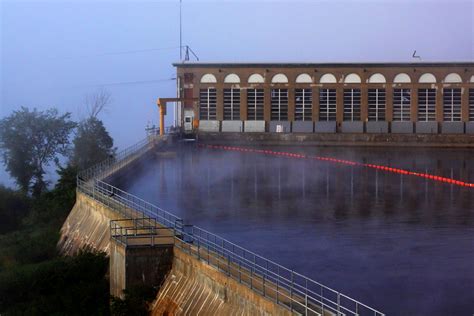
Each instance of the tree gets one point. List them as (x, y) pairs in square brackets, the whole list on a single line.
[(97, 102), (29, 141), (92, 144)]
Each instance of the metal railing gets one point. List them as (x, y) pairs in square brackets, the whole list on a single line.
[(270, 279), (141, 232), (112, 164)]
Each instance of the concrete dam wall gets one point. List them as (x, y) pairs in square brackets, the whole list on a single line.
[(190, 286), (193, 287)]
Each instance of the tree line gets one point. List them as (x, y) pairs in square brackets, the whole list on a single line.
[(34, 278), (32, 140)]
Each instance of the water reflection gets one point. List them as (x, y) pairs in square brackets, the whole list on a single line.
[(396, 242)]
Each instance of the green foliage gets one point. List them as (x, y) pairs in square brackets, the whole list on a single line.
[(29, 245), (29, 141), (13, 207), (40, 218), (136, 301), (62, 286), (92, 144)]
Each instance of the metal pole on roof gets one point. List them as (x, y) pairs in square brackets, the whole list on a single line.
[(180, 31)]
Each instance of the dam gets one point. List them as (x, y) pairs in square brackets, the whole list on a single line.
[(294, 189), (380, 238)]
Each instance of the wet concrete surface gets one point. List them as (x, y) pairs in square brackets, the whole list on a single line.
[(401, 244)]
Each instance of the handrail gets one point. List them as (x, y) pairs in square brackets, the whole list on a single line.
[(299, 292)]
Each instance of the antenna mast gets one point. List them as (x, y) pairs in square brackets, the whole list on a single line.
[(180, 32)]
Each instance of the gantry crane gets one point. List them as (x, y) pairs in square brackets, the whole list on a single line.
[(162, 106)]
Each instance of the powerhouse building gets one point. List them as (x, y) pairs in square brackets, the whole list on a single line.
[(327, 97)]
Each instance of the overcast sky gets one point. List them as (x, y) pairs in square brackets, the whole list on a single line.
[(55, 52)]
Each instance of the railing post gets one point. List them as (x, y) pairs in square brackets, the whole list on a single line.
[(338, 303), (306, 298), (278, 280), (291, 291)]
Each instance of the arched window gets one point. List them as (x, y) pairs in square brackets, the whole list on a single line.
[(352, 78), (231, 78), (427, 78), (279, 78), (256, 78), (377, 78), (402, 78), (328, 78), (453, 78), (208, 78), (304, 78), (402, 99)]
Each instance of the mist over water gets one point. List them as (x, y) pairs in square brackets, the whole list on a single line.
[(399, 243)]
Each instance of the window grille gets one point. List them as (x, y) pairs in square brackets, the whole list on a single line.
[(351, 104), (303, 104), (452, 105), (232, 104), (327, 104), (376, 105), (279, 105), (426, 105), (401, 104), (471, 104), (207, 104), (255, 103)]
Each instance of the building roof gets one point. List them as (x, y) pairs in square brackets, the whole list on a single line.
[(201, 64)]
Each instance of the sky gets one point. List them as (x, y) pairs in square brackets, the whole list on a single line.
[(55, 52)]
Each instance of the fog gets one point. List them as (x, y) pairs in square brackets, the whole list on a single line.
[(54, 52), (381, 237)]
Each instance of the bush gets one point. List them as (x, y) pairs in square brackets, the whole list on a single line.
[(62, 286), (13, 208)]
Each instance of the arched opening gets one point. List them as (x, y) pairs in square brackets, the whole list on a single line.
[(232, 78), (208, 78), (256, 78), (279, 78)]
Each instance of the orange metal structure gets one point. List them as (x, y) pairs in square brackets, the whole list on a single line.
[(162, 106)]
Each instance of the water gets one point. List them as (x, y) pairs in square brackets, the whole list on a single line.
[(401, 244)]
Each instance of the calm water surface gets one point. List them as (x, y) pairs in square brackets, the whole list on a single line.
[(401, 244)]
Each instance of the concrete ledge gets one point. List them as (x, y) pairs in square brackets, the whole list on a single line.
[(232, 126), (452, 127), (380, 127), (325, 127), (209, 126), (402, 127), (302, 127), (286, 126), (469, 127), (254, 126), (352, 127), (339, 139), (427, 127)]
